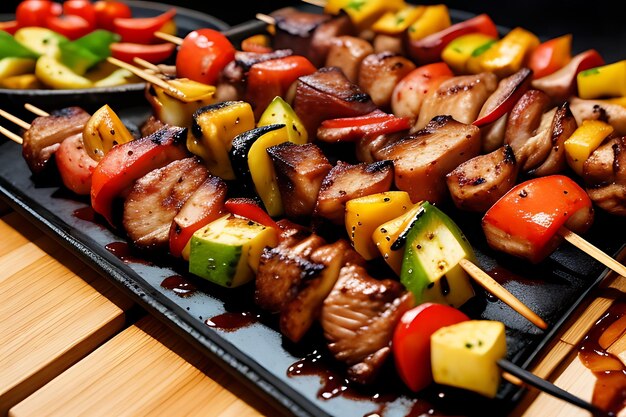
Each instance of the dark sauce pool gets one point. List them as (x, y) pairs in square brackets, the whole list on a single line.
[(181, 286), (123, 252), (232, 321)]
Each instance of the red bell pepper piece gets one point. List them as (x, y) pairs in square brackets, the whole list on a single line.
[(428, 49), (155, 54), (272, 78), (141, 29), (71, 26), (248, 208), (349, 129), (509, 91), (10, 27), (203, 54), (551, 56), (75, 165), (125, 163), (525, 222)]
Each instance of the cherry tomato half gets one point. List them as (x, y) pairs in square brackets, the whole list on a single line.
[(141, 29), (107, 11), (36, 12), (82, 8), (411, 341), (203, 54), (126, 51), (70, 26)]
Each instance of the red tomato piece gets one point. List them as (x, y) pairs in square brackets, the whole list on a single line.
[(551, 56), (108, 11), (248, 208), (203, 54), (82, 8), (141, 29), (10, 26), (36, 12), (155, 54), (411, 341), (75, 165), (70, 26), (526, 220)]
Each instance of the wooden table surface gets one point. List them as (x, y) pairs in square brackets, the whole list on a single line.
[(71, 344)]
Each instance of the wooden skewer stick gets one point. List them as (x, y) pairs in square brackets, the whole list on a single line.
[(319, 3), (146, 76), (265, 18), (169, 38), (502, 293), (36, 110), (146, 64), (592, 251), (15, 138), (15, 119)]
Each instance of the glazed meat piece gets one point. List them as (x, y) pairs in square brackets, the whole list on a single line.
[(389, 43), (150, 126), (290, 232), (295, 29), (46, 134), (347, 53), (345, 182), (328, 94), (282, 269), (493, 134), (300, 170), (423, 159), (299, 313), (477, 184), (369, 146), (154, 200), (605, 173), (323, 36), (461, 97), (380, 73), (358, 319), (613, 114)]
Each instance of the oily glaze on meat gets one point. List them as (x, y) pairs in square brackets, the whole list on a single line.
[(295, 29), (477, 184), (461, 97), (328, 94), (605, 174), (300, 170), (358, 319), (156, 198), (46, 134), (322, 38), (345, 182), (380, 73), (347, 53), (613, 114), (422, 160)]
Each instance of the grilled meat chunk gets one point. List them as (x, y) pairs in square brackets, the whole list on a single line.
[(150, 126), (605, 174), (328, 94), (599, 168), (380, 73), (300, 170), (461, 97), (358, 318), (75, 165), (46, 134), (156, 198), (295, 29), (369, 146), (347, 53), (610, 198), (345, 182), (493, 134), (477, 184), (323, 36), (613, 114), (282, 269), (422, 160), (298, 314), (524, 120)]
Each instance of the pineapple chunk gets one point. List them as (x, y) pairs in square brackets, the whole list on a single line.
[(465, 355)]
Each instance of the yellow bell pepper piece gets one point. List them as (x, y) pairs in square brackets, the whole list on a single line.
[(508, 55), (457, 53), (394, 23), (214, 128), (585, 139), (178, 109), (16, 66), (365, 214), (103, 130), (617, 100), (387, 234), (605, 81), (432, 20), (21, 82), (363, 13)]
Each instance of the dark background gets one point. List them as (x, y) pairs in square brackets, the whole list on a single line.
[(600, 24)]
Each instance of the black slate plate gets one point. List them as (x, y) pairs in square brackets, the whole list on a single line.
[(258, 354), (120, 96)]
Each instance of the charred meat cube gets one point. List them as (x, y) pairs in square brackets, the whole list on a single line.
[(156, 198), (300, 170), (358, 318), (345, 182), (328, 94), (478, 183), (295, 29), (46, 134), (380, 73), (605, 174), (423, 159), (323, 36)]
